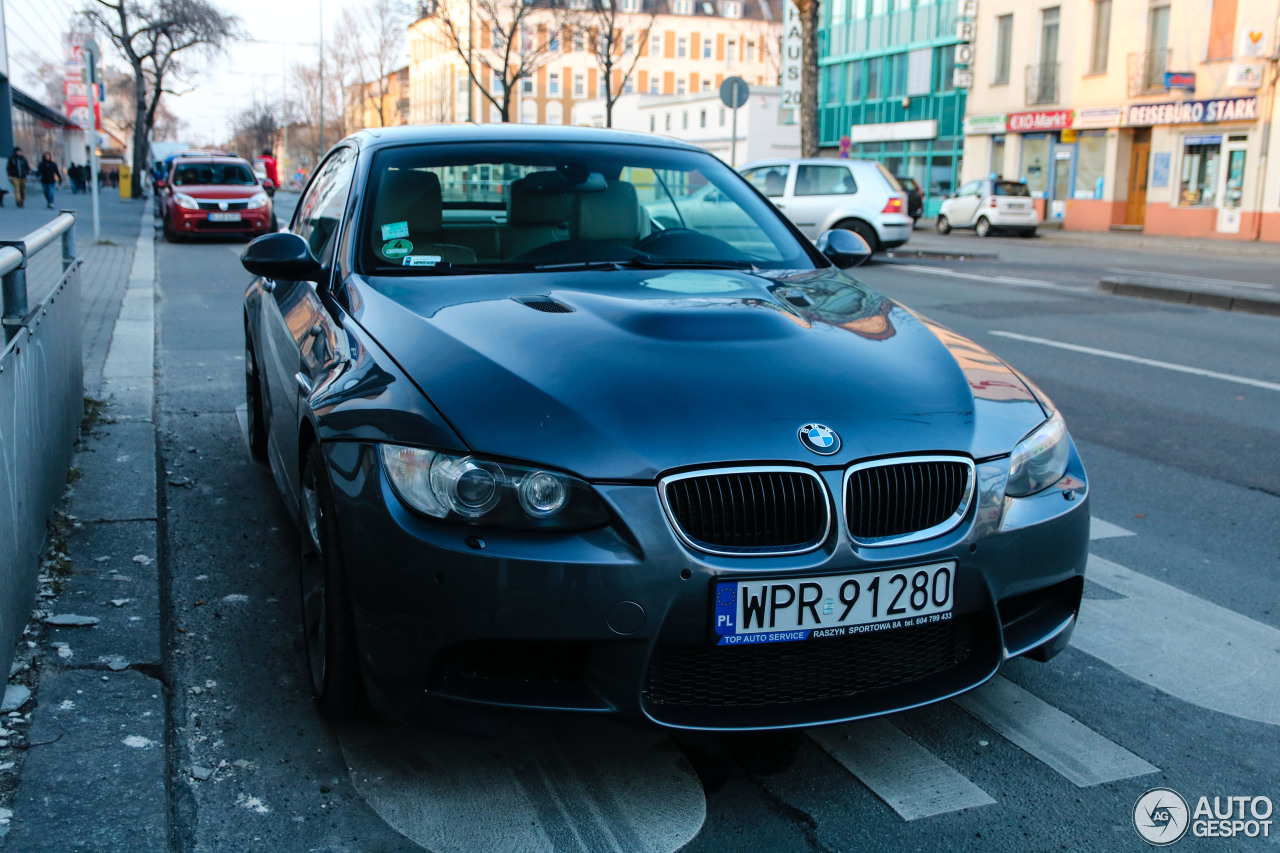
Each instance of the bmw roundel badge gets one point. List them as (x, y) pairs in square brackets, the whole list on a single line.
[(820, 439)]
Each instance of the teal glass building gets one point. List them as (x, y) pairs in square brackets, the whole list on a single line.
[(885, 80)]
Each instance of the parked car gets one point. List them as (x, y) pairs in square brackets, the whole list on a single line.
[(552, 452), (988, 205), (817, 195), (214, 195), (915, 197)]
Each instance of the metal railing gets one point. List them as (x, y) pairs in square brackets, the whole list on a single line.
[(41, 404), (1042, 83), (1146, 71)]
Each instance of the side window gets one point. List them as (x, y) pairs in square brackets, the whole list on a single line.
[(320, 210), (770, 180), (825, 180), (970, 188)]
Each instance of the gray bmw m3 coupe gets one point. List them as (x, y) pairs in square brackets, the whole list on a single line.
[(550, 450)]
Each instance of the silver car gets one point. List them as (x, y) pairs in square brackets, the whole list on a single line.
[(858, 195)]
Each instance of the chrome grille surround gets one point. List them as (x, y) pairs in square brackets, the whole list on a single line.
[(730, 551), (950, 522)]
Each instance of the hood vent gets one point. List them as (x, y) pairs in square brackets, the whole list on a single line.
[(545, 304)]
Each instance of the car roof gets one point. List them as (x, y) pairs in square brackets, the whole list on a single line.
[(215, 159), (509, 132), (806, 161)]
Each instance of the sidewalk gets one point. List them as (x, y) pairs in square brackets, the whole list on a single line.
[(83, 759)]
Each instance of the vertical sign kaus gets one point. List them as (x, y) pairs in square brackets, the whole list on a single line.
[(792, 56)]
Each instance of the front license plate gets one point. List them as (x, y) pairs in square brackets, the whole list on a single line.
[(788, 609), (224, 217)]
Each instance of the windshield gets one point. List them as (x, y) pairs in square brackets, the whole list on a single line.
[(529, 206), (236, 174)]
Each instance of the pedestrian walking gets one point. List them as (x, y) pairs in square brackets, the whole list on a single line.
[(18, 168), (50, 176)]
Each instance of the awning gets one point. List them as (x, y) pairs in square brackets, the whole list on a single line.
[(24, 101)]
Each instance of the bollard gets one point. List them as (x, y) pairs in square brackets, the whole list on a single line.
[(14, 288), (69, 242)]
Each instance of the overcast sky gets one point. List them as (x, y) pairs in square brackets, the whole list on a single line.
[(220, 88)]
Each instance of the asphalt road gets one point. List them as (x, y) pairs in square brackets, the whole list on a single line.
[(1173, 679)]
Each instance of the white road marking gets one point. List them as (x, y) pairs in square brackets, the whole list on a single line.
[(1196, 278), (1099, 529), (909, 778), (999, 279), (1134, 359), (559, 785), (1190, 648), (1059, 740)]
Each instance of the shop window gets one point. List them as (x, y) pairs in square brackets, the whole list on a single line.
[(1198, 184), (941, 175), (1035, 163), (1091, 162), (997, 156)]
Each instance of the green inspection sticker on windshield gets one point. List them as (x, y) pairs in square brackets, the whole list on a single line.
[(396, 248)]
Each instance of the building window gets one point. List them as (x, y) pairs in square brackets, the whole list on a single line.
[(682, 7), (668, 121), (1004, 48), (853, 85), (654, 86), (702, 119), (655, 44), (528, 111), (578, 42), (1035, 163), (579, 86), (627, 87), (834, 79), (874, 65), (706, 48), (682, 47), (723, 114), (1222, 29), (919, 72), (684, 120), (680, 88), (653, 123), (1091, 163), (732, 9), (731, 52), (499, 85), (706, 85), (1199, 181), (553, 84), (629, 43), (526, 86), (1101, 37), (751, 51), (555, 112), (553, 41), (946, 69), (896, 75), (630, 5)]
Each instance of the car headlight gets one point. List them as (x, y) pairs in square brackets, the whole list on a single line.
[(185, 201), (258, 200), (473, 490), (1039, 460)]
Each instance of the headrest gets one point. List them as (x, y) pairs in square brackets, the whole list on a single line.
[(610, 215), (412, 196), (527, 207)]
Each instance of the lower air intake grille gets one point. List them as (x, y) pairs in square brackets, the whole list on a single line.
[(810, 670), (899, 499), (749, 511)]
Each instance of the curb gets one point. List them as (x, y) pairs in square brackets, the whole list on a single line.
[(1199, 292)]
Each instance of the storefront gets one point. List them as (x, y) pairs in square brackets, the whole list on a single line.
[(1203, 164)]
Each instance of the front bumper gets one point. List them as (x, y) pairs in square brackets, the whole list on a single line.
[(451, 619), (184, 221)]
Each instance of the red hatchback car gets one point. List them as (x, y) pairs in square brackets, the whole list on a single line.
[(214, 195)]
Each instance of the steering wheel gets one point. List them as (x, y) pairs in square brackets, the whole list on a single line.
[(688, 243)]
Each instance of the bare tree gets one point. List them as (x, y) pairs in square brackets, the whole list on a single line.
[(520, 42), (155, 36), (258, 128), (615, 40), (305, 85), (373, 39)]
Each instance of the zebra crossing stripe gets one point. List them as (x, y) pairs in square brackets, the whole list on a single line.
[(1099, 529), (910, 779), (1055, 738)]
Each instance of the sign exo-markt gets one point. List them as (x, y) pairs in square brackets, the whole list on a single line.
[(1040, 120)]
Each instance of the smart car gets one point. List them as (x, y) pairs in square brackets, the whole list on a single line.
[(990, 205), (551, 451)]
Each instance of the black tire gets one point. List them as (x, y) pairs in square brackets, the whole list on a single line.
[(1028, 232), (863, 230), (253, 398), (982, 227), (942, 226), (327, 619), (169, 234)]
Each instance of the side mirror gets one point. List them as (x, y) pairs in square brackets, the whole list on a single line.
[(162, 184), (843, 248), (281, 255)]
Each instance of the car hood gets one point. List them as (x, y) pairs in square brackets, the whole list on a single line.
[(627, 374), (234, 192)]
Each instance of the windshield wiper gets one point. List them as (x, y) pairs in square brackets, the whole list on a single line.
[(447, 268), (580, 265), (691, 263)]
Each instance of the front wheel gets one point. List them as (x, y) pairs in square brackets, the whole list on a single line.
[(327, 618), (983, 227), (169, 233), (942, 226)]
